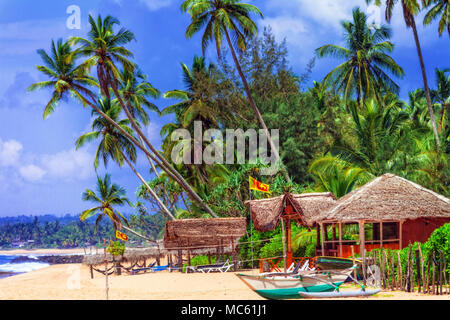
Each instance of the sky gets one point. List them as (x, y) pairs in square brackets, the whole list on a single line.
[(40, 170)]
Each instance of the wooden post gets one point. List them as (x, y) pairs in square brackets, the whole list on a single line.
[(362, 248), (400, 234), (381, 234), (334, 236), (434, 275), (340, 239), (233, 255), (394, 285), (400, 272), (92, 271), (428, 273), (440, 273), (422, 271), (284, 244), (322, 238), (289, 244), (418, 270), (353, 258)]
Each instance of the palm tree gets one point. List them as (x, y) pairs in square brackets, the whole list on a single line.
[(441, 95), (229, 18), (440, 8), (376, 137), (66, 78), (107, 197), (194, 105), (136, 89), (113, 144), (410, 9), (335, 175), (104, 49), (366, 55)]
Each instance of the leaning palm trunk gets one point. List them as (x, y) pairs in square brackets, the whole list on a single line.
[(148, 154), (425, 83), (163, 162), (253, 105), (150, 190)]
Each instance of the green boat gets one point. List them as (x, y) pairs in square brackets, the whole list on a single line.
[(335, 263), (288, 286)]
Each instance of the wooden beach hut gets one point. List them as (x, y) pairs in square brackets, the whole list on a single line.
[(301, 208), (204, 236), (389, 212)]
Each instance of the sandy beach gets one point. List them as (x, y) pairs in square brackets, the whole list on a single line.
[(72, 281)]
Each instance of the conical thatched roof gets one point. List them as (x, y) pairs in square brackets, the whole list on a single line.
[(389, 197), (203, 233), (266, 213)]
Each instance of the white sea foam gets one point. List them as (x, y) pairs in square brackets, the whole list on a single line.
[(22, 267)]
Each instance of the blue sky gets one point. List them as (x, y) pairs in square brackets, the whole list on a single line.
[(40, 170)]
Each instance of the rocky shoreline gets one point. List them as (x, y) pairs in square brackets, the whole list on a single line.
[(50, 259)]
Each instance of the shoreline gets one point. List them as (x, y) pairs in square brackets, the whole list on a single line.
[(43, 251)]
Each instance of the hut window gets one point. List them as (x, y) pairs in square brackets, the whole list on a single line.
[(390, 230)]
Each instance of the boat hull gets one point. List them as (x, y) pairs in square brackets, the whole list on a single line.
[(335, 263), (289, 287)]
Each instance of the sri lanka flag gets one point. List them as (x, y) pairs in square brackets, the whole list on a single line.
[(256, 185), (121, 236)]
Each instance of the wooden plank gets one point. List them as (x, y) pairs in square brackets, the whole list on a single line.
[(322, 238)]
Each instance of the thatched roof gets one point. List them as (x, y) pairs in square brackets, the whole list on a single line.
[(130, 255), (203, 233), (266, 213), (389, 197)]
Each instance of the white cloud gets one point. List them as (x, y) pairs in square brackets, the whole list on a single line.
[(10, 152), (69, 165), (154, 5), (32, 173)]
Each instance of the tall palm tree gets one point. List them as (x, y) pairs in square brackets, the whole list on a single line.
[(439, 8), (107, 197), (410, 9), (104, 48), (367, 60), (115, 145), (66, 78), (229, 18)]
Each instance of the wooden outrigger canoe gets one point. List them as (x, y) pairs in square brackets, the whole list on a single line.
[(289, 286)]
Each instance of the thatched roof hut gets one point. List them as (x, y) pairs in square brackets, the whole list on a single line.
[(388, 197), (400, 212), (266, 213), (130, 255), (201, 234)]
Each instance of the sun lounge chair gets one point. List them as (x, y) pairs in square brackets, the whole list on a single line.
[(149, 268), (160, 268), (219, 267)]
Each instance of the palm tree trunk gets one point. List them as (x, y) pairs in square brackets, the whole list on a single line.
[(425, 82), (153, 193), (165, 165), (147, 153), (253, 105)]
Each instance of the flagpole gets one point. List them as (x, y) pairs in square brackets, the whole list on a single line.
[(251, 223)]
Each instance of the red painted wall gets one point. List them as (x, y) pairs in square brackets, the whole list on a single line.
[(420, 229)]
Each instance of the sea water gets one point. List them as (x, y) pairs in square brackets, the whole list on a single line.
[(7, 268)]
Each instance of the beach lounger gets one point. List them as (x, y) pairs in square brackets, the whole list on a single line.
[(219, 267), (149, 268)]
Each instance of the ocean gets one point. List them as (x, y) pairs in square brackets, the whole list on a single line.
[(8, 269)]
